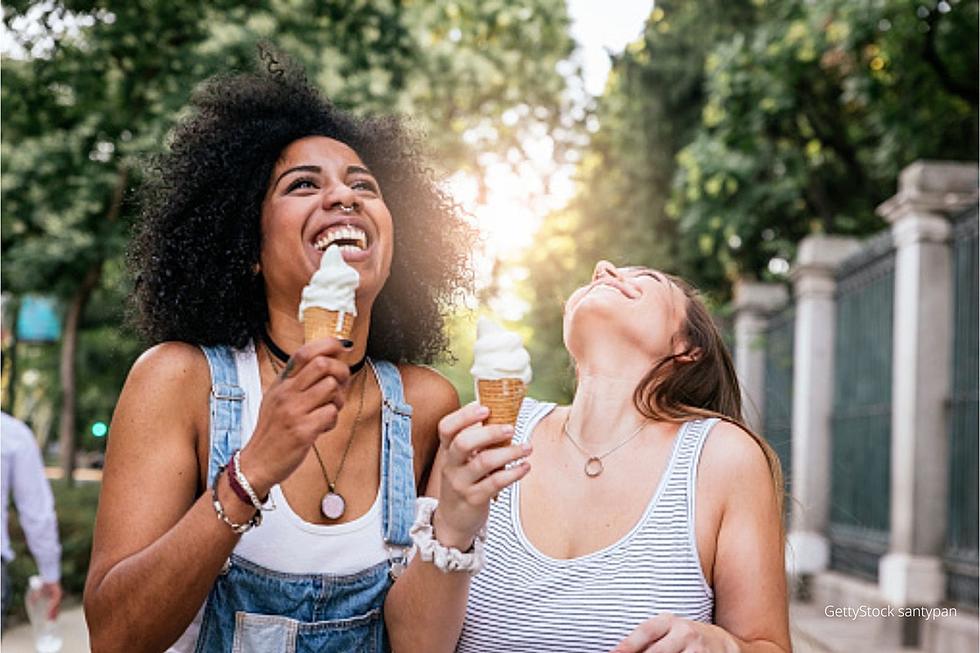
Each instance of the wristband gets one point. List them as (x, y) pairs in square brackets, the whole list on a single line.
[(245, 485), (236, 487), (446, 559)]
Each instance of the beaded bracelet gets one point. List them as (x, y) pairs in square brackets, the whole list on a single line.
[(256, 519), (445, 558), (257, 503)]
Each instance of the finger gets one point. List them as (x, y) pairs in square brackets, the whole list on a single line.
[(325, 391), (318, 368), (645, 634), (673, 642), (452, 424), (477, 438), (322, 419), (489, 460), (493, 484), (330, 347)]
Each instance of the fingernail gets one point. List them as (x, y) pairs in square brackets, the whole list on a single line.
[(508, 429), (483, 410), (526, 447)]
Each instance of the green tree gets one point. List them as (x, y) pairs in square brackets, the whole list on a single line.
[(91, 97), (809, 119), (649, 111)]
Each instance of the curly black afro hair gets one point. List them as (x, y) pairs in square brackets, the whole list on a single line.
[(198, 240)]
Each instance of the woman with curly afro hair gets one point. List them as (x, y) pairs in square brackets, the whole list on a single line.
[(258, 491)]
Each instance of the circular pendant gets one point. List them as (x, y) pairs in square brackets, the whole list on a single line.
[(332, 506), (593, 467)]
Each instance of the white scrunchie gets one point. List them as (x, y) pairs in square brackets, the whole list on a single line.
[(444, 558)]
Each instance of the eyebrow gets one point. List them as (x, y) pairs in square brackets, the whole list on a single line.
[(351, 170), (637, 269)]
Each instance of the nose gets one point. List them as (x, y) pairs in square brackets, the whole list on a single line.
[(340, 196), (605, 269)]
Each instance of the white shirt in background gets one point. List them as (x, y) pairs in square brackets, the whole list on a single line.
[(23, 475)]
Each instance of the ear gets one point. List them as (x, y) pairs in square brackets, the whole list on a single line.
[(688, 356)]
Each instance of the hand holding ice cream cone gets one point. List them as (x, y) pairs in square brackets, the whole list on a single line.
[(502, 371), (327, 307)]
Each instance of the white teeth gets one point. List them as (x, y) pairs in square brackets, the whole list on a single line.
[(345, 232)]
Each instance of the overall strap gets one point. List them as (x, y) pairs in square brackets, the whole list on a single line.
[(398, 469), (226, 408)]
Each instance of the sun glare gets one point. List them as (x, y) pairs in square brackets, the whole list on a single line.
[(517, 195)]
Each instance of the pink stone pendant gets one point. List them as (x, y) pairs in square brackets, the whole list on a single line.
[(332, 506)]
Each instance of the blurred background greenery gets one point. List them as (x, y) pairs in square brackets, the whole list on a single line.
[(726, 132)]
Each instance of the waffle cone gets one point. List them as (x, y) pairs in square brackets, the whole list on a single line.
[(319, 323), (503, 397)]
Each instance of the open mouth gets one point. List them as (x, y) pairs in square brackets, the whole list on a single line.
[(347, 237)]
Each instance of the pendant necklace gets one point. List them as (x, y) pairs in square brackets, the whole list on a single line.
[(593, 463), (333, 504)]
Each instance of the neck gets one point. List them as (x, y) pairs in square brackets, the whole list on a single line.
[(602, 409)]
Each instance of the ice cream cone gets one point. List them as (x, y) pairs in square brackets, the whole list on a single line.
[(503, 397), (319, 323)]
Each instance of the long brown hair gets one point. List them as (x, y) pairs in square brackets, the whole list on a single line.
[(699, 381)]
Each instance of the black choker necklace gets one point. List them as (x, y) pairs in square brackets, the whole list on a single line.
[(284, 357)]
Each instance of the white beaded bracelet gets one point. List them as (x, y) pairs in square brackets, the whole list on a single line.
[(445, 558)]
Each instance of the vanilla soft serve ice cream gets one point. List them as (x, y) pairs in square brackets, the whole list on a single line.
[(327, 306), (501, 369), (499, 354), (332, 286)]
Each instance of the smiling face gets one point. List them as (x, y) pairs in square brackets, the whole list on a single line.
[(322, 194), (627, 315)]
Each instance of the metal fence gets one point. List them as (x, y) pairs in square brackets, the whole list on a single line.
[(778, 415), (961, 533), (861, 423)]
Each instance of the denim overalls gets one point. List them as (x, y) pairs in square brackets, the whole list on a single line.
[(251, 608)]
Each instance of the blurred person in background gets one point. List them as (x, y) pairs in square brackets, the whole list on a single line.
[(645, 516), (23, 477)]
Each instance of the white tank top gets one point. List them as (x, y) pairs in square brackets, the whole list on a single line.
[(284, 542), (524, 601)]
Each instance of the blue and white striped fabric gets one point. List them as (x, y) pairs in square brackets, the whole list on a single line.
[(526, 602)]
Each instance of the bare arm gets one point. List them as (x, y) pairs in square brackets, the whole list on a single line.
[(153, 533), (425, 608), (751, 604)]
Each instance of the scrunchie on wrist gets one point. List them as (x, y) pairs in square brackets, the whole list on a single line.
[(445, 558)]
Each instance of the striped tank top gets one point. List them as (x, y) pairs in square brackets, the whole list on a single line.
[(526, 602)]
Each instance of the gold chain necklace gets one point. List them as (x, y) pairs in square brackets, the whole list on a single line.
[(333, 504), (593, 463)]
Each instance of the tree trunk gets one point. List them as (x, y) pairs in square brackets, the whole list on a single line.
[(69, 345)]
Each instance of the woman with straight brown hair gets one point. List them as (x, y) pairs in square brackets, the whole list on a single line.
[(645, 516)]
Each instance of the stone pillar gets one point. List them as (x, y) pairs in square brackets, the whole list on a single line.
[(754, 302), (808, 550), (911, 574)]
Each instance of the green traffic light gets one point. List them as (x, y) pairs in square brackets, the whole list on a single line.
[(99, 429)]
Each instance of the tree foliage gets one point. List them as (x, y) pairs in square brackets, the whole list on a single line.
[(98, 85), (808, 120)]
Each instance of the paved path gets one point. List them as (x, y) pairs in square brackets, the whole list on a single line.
[(20, 639)]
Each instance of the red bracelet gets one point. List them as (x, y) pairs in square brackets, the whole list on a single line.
[(235, 485)]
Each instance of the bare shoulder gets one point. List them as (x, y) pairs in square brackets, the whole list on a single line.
[(430, 394), (733, 464), (170, 363), (166, 381)]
